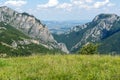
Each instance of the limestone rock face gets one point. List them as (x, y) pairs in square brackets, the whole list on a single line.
[(30, 26), (100, 28)]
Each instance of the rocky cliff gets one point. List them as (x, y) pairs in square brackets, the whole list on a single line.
[(98, 30), (15, 43), (30, 26)]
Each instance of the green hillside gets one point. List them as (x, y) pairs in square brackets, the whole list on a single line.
[(9, 34), (68, 39), (60, 67), (73, 37), (111, 44)]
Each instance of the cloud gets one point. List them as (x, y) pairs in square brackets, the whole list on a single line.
[(89, 1), (100, 4), (16, 3), (91, 4), (51, 3), (85, 4), (66, 6), (111, 4), (77, 2)]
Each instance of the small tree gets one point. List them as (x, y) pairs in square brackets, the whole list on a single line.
[(89, 48)]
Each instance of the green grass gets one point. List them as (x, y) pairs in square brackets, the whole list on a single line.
[(60, 67)]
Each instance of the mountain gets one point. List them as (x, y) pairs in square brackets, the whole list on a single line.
[(30, 26), (111, 44), (14, 43), (103, 29)]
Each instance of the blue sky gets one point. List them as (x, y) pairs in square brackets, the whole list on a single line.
[(62, 10)]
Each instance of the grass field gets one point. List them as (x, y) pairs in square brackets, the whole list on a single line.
[(60, 67)]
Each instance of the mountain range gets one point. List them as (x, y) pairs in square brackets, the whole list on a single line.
[(23, 34), (29, 26), (104, 29)]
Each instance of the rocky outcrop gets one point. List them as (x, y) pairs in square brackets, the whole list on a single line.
[(30, 26), (15, 43), (100, 28)]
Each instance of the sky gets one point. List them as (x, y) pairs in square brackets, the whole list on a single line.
[(64, 10)]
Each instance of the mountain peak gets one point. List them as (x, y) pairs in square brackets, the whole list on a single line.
[(30, 26), (104, 16), (3, 7), (101, 28)]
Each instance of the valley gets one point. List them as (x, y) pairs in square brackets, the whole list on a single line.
[(32, 48), (59, 27), (59, 36)]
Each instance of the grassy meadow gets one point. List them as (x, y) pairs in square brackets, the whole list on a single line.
[(60, 67)]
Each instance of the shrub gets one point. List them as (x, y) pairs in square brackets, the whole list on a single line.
[(89, 48)]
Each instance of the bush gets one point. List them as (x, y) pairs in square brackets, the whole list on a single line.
[(89, 48)]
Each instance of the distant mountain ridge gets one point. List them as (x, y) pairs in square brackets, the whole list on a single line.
[(30, 26), (59, 27), (102, 27)]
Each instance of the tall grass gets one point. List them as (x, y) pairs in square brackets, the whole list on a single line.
[(60, 67)]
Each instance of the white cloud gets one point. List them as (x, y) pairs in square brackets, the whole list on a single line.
[(100, 4), (85, 4), (89, 1), (77, 2), (91, 4), (66, 6), (51, 3), (111, 4), (16, 3)]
